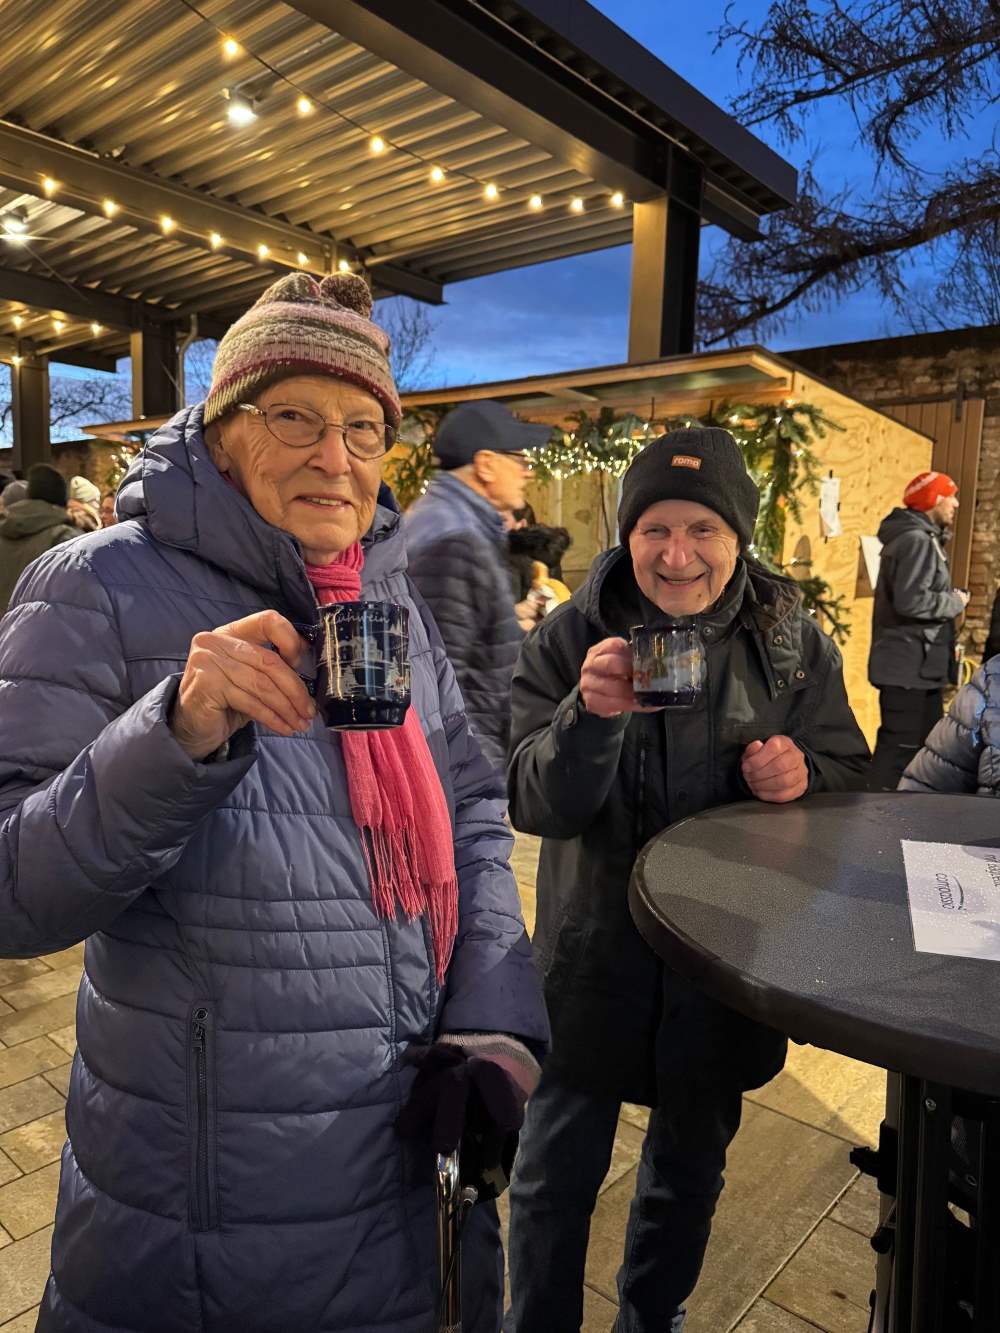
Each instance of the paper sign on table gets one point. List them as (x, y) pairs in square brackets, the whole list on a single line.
[(954, 897)]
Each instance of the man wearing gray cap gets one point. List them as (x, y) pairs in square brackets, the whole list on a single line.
[(597, 774), (456, 539)]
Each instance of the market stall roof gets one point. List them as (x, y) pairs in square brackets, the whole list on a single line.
[(732, 373), (423, 143)]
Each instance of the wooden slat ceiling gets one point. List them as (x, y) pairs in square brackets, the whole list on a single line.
[(141, 84)]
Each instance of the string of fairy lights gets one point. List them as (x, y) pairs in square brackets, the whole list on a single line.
[(243, 111)]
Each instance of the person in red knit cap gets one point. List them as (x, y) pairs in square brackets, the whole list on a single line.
[(912, 655)]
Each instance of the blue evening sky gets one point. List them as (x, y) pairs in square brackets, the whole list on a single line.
[(574, 312)]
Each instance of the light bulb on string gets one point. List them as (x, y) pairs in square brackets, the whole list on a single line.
[(167, 224), (110, 207), (263, 250), (15, 224), (16, 360), (230, 48), (617, 199), (576, 205), (302, 259), (58, 325), (18, 321), (49, 186), (96, 329), (535, 202), (377, 144), (214, 240), (304, 107), (344, 266), (241, 111), (437, 175), (491, 192)]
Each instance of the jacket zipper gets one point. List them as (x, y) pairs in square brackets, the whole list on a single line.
[(202, 1189), (640, 788)]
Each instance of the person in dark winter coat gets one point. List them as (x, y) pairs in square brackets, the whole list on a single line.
[(962, 752), (295, 938), (31, 526), (912, 655), (597, 776), (456, 536)]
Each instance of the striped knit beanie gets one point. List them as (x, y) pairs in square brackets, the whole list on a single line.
[(303, 327), (926, 489)]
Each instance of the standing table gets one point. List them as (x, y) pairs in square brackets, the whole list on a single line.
[(796, 915)]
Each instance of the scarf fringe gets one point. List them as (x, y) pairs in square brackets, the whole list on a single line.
[(397, 802)]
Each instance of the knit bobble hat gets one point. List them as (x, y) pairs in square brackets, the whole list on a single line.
[(926, 489), (303, 327), (704, 465)]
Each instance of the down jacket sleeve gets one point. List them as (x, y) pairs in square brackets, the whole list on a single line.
[(96, 797), (563, 760), (950, 758), (915, 565), (492, 983)]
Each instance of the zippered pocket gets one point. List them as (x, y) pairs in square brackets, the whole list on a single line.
[(201, 1193)]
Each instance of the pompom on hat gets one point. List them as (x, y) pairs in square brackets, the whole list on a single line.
[(303, 327), (926, 489)]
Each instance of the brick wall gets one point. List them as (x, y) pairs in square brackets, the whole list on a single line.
[(928, 366)]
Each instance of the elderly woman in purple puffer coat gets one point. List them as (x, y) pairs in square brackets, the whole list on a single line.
[(266, 1000)]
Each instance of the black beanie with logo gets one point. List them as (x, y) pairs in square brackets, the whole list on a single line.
[(703, 464)]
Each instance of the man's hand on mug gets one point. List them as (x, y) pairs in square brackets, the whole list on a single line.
[(606, 680), (234, 676), (775, 770)]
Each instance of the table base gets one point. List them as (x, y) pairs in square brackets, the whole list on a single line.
[(918, 1284)]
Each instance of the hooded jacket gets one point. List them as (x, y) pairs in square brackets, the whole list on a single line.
[(27, 530), (458, 560), (913, 619), (598, 789), (233, 1165)]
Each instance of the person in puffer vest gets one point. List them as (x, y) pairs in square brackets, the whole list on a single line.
[(305, 967)]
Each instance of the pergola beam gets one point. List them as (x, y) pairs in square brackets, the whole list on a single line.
[(86, 179), (84, 303)]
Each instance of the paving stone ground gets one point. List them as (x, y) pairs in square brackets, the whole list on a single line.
[(789, 1251)]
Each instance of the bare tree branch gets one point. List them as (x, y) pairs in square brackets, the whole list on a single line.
[(902, 67)]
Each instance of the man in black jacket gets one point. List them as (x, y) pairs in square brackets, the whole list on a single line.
[(912, 655), (597, 776)]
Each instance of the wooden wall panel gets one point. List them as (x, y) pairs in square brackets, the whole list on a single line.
[(874, 457)]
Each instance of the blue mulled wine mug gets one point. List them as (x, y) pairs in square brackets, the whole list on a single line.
[(363, 665), (668, 665)]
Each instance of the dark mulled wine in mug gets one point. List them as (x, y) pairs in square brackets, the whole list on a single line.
[(363, 677), (668, 665)]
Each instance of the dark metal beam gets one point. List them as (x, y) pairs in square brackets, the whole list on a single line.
[(665, 247), (85, 180), (85, 303), (29, 383), (446, 47), (155, 381), (560, 75)]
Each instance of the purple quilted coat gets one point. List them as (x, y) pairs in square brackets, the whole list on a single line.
[(232, 1164)]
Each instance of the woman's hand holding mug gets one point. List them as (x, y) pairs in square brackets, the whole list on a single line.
[(239, 673)]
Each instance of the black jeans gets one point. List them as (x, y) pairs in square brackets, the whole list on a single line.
[(907, 717), (564, 1155)]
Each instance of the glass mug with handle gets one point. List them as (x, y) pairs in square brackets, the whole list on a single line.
[(668, 665)]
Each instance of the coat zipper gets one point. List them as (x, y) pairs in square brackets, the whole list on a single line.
[(202, 1190), (640, 788)]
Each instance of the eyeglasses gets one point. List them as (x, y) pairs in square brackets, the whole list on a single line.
[(300, 427)]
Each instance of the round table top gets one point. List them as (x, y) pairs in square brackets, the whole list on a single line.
[(797, 916)]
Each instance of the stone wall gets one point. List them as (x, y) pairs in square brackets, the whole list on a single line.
[(963, 362)]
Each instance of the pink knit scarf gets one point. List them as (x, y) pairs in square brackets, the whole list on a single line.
[(397, 800)]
